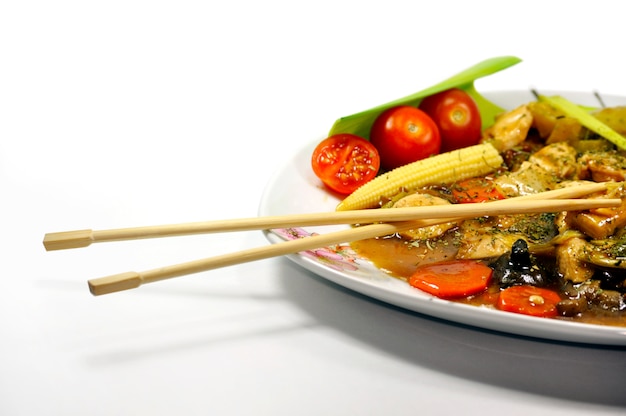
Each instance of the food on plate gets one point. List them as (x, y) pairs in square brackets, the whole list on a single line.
[(457, 117), (481, 189), (449, 167), (403, 135), (452, 279), (569, 109), (510, 128), (397, 145), (615, 117), (360, 123), (529, 300), (344, 162), (568, 265)]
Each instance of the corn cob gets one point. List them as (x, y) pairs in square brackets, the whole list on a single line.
[(445, 168)]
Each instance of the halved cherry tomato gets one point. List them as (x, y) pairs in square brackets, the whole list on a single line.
[(457, 117), (345, 161), (403, 135), (529, 300), (452, 279), (475, 190)]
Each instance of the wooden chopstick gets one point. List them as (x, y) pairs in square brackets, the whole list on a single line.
[(83, 238), (131, 280)]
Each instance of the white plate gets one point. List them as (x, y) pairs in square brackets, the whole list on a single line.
[(295, 189)]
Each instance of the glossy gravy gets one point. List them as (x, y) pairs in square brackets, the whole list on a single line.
[(399, 258)]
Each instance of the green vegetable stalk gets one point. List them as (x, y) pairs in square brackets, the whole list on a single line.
[(360, 124)]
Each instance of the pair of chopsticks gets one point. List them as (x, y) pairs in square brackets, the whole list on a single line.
[(379, 222)]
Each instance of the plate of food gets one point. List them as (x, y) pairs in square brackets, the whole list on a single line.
[(550, 275)]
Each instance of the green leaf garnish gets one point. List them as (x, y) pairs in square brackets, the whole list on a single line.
[(585, 118), (360, 124)]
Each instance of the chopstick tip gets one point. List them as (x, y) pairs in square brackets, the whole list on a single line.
[(114, 283), (67, 239)]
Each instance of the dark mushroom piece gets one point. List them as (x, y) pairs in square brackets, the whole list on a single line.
[(518, 267)]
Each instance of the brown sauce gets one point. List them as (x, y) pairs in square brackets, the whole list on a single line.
[(400, 258)]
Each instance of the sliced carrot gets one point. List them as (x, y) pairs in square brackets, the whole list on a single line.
[(475, 190), (452, 279), (529, 300)]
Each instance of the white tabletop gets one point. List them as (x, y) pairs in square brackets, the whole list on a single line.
[(128, 113)]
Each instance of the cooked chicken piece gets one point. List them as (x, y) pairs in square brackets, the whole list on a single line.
[(486, 237), (423, 199), (544, 170), (567, 220), (558, 159), (570, 258), (489, 237), (614, 117), (481, 245), (603, 166), (530, 178), (600, 226), (566, 129), (545, 117), (600, 223), (509, 129)]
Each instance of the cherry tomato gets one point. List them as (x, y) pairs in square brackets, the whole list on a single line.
[(345, 161), (457, 117), (404, 134)]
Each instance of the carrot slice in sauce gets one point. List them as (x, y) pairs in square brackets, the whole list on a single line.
[(529, 300), (452, 279), (475, 190)]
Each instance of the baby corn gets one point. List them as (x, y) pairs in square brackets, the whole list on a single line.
[(445, 168)]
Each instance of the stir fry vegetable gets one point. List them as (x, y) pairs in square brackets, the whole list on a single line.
[(360, 124), (452, 279), (456, 115), (403, 135), (529, 300), (592, 123), (448, 168), (344, 162)]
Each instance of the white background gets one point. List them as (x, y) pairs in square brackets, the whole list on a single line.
[(126, 113)]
